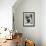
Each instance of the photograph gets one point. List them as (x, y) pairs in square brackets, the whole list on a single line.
[(29, 19)]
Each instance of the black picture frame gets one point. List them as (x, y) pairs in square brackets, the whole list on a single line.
[(28, 19)]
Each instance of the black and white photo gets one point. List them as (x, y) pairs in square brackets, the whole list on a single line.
[(29, 19)]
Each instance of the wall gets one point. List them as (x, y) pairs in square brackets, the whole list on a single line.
[(43, 22), (6, 13), (32, 33)]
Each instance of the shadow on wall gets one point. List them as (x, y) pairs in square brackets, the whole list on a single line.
[(27, 6)]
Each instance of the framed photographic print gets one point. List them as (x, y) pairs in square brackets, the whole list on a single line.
[(28, 19)]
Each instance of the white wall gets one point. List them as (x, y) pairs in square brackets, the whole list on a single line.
[(6, 13), (32, 33), (43, 22)]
